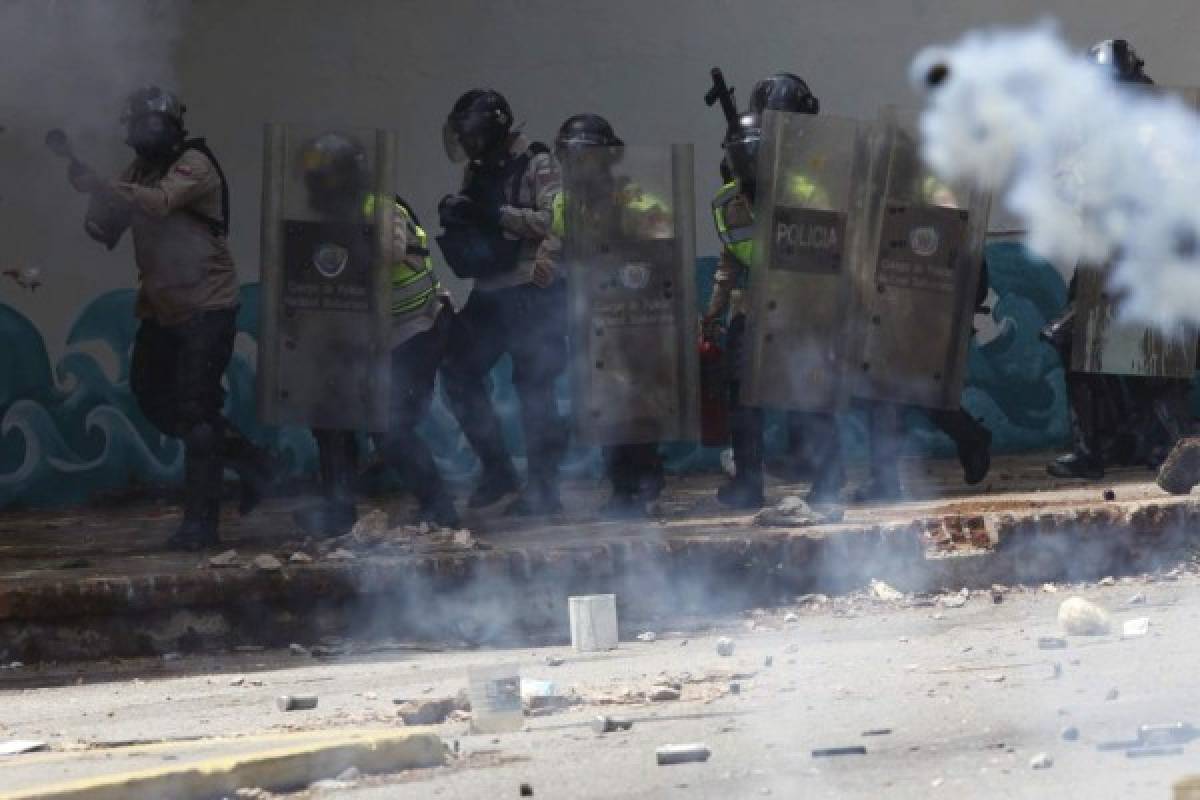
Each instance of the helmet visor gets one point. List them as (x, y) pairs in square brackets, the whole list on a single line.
[(741, 153), (474, 133)]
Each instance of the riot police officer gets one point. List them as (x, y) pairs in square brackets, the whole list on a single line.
[(337, 184), (617, 209), (174, 198), (493, 228), (733, 214), (1115, 419)]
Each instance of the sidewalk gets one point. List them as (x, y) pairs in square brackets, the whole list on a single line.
[(92, 582)]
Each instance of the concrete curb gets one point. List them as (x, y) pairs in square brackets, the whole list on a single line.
[(290, 767)]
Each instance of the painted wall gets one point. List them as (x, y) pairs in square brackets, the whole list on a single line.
[(400, 64)]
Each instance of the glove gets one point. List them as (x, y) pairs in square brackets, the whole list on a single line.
[(83, 179), (457, 209), (543, 273)]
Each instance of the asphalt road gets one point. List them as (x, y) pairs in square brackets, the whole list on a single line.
[(966, 692)]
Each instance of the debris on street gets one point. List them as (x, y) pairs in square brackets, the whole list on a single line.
[(1138, 599), (593, 621), (725, 646), (606, 724), (829, 752), (430, 712), (794, 512), (300, 558), (340, 554), (296, 702), (555, 661), (227, 559), (886, 593), (956, 600), (1041, 761), (878, 732), (1113, 694), (648, 636), (1079, 617), (1134, 628), (681, 753), (1070, 734), (660, 694), (266, 562), (1180, 472)]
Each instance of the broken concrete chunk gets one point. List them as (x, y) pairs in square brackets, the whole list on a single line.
[(227, 559), (725, 646), (1070, 734), (606, 724), (886, 593), (1180, 472), (427, 712), (794, 512), (266, 562), (1107, 581), (1138, 599), (1078, 617), (1041, 761), (300, 558), (1133, 628), (340, 554), (648, 636), (373, 523), (298, 649), (661, 694)]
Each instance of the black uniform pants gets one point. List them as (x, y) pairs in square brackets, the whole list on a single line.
[(530, 325), (886, 431), (176, 377), (415, 365)]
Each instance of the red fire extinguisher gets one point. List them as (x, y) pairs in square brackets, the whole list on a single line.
[(714, 394)]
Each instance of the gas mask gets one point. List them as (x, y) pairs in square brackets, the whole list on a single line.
[(154, 137)]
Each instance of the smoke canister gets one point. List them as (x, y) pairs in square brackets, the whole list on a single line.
[(681, 753)]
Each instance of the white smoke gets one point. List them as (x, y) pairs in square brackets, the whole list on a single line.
[(1099, 172)]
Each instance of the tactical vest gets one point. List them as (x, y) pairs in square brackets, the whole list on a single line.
[(734, 219), (414, 284)]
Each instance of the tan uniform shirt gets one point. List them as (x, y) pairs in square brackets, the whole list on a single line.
[(527, 215), (184, 267)]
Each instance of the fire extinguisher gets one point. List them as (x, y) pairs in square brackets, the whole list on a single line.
[(714, 394)]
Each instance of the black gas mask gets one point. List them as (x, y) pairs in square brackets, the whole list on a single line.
[(155, 137)]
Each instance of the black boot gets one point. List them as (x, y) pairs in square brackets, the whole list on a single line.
[(440, 511), (202, 472), (972, 441), (1087, 396), (497, 483), (884, 430), (538, 498), (254, 467), (745, 490), (1076, 465)]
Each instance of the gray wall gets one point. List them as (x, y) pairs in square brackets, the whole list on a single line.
[(401, 63)]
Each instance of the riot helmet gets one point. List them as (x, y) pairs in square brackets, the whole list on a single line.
[(153, 120), (477, 126), (741, 147), (336, 174), (783, 91), (1120, 59), (588, 142)]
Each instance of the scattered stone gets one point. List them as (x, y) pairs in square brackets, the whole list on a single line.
[(171, 656), (1134, 628), (330, 786), (1041, 761), (296, 702), (681, 753), (238, 681), (1109, 495), (812, 599), (790, 617), (1050, 588), (997, 597), (340, 554), (1052, 643), (300, 558), (427, 712), (660, 694), (957, 600), (648, 636), (735, 688), (1113, 694), (1070, 734), (298, 649), (1181, 469), (526, 790), (794, 512), (1079, 617), (555, 661), (227, 559), (372, 524), (1108, 581), (1138, 599), (725, 646), (606, 724), (886, 593), (266, 562)]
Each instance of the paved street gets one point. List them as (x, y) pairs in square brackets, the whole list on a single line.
[(966, 692)]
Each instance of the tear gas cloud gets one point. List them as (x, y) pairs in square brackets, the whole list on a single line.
[(1098, 171)]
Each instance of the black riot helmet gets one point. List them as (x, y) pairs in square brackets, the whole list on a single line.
[(741, 146), (477, 126), (587, 142), (336, 174), (783, 91), (153, 120), (1119, 58)]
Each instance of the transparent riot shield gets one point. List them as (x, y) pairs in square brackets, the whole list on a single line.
[(916, 278), (1105, 344), (809, 199), (323, 355), (629, 250)]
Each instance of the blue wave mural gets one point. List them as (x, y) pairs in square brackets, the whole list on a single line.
[(72, 430)]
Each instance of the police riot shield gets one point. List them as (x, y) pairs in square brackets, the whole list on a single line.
[(629, 250), (916, 277), (323, 355), (1105, 344), (807, 219)]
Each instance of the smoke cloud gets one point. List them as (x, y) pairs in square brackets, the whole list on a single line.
[(1099, 172)]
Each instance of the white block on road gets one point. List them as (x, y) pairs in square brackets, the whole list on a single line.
[(593, 622)]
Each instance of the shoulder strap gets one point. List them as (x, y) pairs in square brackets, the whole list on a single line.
[(219, 227)]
